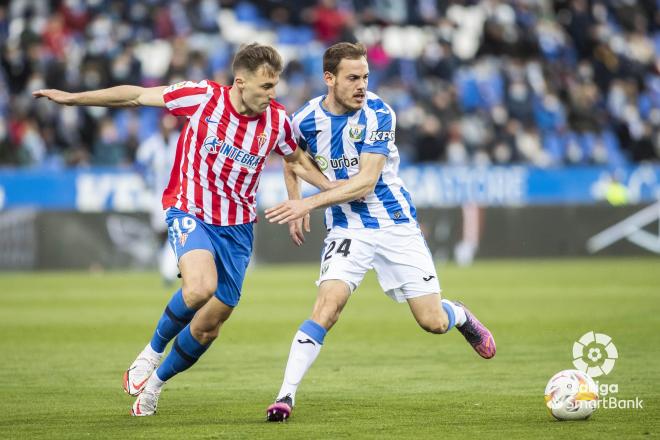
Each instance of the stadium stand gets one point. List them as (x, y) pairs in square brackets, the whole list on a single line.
[(540, 82)]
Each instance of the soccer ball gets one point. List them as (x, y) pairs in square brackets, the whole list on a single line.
[(571, 395)]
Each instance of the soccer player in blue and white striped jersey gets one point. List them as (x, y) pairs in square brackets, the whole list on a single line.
[(370, 218)]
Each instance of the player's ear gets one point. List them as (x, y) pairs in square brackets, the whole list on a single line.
[(329, 79), (239, 81)]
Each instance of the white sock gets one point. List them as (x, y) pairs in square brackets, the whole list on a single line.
[(151, 353), (154, 383), (459, 313), (304, 351)]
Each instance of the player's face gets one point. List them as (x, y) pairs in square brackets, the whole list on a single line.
[(258, 89), (349, 85)]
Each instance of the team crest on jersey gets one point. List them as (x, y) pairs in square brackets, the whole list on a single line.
[(182, 239), (355, 131), (261, 139), (211, 144)]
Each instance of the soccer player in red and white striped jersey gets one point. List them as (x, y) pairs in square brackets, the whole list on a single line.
[(210, 201), (222, 152)]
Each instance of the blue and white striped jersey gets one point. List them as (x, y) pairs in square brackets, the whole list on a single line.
[(336, 142)]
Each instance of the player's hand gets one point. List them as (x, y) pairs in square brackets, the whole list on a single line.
[(296, 229), (55, 95), (287, 211)]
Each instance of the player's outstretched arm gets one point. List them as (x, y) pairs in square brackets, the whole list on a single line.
[(358, 186), (120, 96)]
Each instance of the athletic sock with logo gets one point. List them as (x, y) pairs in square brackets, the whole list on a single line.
[(186, 350), (175, 317), (305, 348)]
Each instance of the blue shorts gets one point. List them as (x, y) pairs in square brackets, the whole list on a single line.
[(231, 247)]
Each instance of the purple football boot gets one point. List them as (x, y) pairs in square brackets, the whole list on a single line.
[(280, 410), (479, 337)]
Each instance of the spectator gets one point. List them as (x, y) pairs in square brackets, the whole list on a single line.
[(539, 82)]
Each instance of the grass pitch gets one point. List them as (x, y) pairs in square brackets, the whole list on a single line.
[(66, 338)]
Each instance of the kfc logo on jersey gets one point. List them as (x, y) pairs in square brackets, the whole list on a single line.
[(377, 136), (211, 144)]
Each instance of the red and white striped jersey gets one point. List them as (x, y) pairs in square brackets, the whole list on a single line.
[(220, 153)]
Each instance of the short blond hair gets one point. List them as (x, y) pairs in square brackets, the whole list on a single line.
[(252, 57)]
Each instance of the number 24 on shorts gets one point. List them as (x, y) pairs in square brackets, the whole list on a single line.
[(344, 249)]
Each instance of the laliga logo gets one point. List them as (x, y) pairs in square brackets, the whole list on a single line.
[(595, 354)]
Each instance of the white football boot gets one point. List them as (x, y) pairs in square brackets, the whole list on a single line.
[(135, 378), (146, 402)]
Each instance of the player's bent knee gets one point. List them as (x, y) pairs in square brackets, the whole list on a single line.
[(198, 292)]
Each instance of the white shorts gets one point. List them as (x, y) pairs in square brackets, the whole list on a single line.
[(397, 253)]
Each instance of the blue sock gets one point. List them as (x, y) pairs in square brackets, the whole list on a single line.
[(314, 330), (175, 317), (450, 315), (185, 352)]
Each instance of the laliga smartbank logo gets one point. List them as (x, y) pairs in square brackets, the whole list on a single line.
[(595, 354)]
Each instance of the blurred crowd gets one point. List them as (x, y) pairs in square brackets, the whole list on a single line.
[(540, 82)]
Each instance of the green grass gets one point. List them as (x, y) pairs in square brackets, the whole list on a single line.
[(66, 338)]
